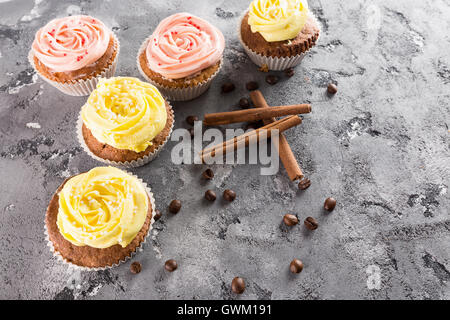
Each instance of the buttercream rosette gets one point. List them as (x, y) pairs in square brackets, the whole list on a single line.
[(73, 53), (99, 218), (126, 114), (278, 23), (182, 56)]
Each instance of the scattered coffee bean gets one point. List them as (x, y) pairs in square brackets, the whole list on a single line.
[(228, 87), (290, 220), (244, 103), (272, 79), (329, 204), (191, 132), (135, 267), (171, 265), (191, 119), (210, 195), (332, 88), (252, 85), (304, 184), (229, 195), (208, 174), (289, 72), (175, 206), (311, 223), (238, 285), (296, 266), (157, 215)]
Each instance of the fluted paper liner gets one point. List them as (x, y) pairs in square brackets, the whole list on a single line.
[(125, 164), (82, 87), (140, 248), (274, 63), (176, 94)]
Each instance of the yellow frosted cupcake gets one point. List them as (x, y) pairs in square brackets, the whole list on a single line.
[(125, 122), (99, 218), (278, 33)]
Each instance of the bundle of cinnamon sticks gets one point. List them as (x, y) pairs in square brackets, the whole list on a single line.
[(267, 114)]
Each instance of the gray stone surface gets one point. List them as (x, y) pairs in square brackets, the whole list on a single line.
[(380, 147)]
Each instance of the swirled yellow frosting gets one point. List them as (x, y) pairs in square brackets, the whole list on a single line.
[(101, 208), (125, 113), (278, 20)]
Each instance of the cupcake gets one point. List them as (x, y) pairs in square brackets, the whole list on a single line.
[(99, 218), (277, 33), (125, 122), (182, 56), (73, 53)]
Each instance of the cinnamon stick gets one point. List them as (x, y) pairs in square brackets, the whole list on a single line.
[(284, 150), (252, 115), (244, 139)]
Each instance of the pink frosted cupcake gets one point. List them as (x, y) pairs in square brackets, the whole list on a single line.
[(72, 53), (182, 56)]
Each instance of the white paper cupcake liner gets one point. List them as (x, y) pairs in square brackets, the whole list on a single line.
[(274, 63), (126, 164), (140, 248), (81, 87), (176, 94)]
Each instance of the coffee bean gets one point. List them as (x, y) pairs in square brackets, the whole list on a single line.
[(304, 184), (296, 266), (208, 174), (175, 206), (157, 215), (329, 204), (289, 72), (311, 223), (135, 267), (290, 220), (210, 195), (252, 85), (332, 88), (191, 132), (191, 119), (171, 265), (272, 79), (238, 285), (229, 195), (228, 87), (244, 103)]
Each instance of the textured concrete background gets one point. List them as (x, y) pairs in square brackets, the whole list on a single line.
[(380, 147)]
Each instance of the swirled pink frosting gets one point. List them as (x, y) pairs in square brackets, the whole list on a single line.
[(183, 45), (71, 43)]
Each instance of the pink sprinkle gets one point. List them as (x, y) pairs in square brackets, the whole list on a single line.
[(65, 54), (189, 18)]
